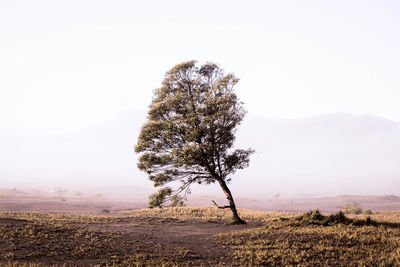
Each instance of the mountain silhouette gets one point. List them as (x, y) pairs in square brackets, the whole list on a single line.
[(329, 154)]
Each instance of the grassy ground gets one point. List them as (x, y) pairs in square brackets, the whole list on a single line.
[(199, 236), (208, 214), (310, 240)]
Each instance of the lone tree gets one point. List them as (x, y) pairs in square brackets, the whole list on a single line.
[(190, 132)]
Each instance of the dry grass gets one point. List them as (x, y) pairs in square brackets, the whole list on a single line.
[(24, 264), (63, 218), (34, 239), (313, 239), (24, 240), (207, 214), (315, 245), (380, 216)]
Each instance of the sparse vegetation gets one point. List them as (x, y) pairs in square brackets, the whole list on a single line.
[(355, 208), (207, 214), (46, 239), (313, 239), (314, 245), (352, 209), (199, 236), (316, 218)]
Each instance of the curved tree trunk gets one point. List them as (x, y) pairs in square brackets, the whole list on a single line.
[(236, 219)]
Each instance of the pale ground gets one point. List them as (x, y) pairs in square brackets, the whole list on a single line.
[(95, 204)]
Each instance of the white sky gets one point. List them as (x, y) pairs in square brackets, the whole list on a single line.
[(66, 65)]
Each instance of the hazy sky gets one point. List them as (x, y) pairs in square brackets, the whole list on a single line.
[(66, 65)]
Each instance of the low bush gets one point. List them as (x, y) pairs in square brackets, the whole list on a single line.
[(355, 208), (351, 209), (316, 218)]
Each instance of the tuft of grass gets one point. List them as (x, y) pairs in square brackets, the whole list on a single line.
[(355, 208), (316, 218)]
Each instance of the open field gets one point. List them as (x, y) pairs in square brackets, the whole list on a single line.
[(118, 199), (199, 236)]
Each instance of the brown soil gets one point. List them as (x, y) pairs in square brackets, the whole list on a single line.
[(117, 241), (83, 206), (163, 238)]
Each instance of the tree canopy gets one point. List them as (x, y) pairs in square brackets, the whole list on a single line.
[(190, 132)]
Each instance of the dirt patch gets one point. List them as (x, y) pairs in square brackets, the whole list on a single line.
[(89, 206), (123, 241), (195, 236)]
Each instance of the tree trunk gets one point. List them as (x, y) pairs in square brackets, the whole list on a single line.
[(236, 219)]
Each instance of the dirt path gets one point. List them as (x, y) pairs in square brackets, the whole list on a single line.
[(192, 238)]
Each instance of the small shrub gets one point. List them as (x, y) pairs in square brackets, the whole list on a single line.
[(352, 209), (367, 211), (315, 217), (355, 208)]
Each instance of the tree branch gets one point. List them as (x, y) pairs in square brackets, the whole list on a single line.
[(221, 207)]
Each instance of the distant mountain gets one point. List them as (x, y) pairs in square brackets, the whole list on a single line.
[(328, 154)]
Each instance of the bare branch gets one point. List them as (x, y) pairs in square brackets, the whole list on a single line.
[(221, 207)]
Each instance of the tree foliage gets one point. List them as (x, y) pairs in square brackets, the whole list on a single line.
[(190, 130)]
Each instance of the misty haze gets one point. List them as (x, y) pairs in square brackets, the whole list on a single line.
[(325, 155), (199, 133)]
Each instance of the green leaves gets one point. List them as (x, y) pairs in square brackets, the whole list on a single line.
[(157, 199), (239, 159), (191, 128), (163, 195)]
